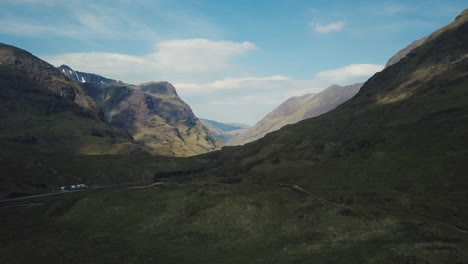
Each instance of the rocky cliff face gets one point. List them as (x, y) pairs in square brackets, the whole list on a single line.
[(151, 112), (296, 109)]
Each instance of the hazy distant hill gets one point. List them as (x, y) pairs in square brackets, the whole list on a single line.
[(224, 131), (151, 112), (296, 109)]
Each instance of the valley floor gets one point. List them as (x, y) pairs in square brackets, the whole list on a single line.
[(211, 222)]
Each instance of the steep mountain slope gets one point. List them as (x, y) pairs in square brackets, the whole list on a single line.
[(152, 113), (403, 52), (224, 131), (296, 109), (403, 137), (46, 115)]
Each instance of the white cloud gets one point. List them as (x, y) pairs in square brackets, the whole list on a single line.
[(248, 99), (197, 68), (349, 73), (198, 55), (327, 28), (239, 83), (191, 58)]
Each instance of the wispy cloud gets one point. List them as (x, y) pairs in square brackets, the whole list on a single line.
[(87, 20), (393, 9), (48, 2), (80, 25), (328, 28)]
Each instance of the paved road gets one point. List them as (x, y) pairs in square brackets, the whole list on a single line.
[(323, 200), (93, 187)]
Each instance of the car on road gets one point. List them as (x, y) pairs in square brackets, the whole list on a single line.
[(72, 187)]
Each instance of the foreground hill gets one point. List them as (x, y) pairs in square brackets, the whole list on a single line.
[(380, 179), (45, 114), (152, 113), (296, 109), (224, 131)]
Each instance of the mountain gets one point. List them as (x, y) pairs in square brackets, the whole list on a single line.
[(403, 52), (151, 112), (224, 131), (225, 126), (387, 166), (82, 77), (296, 109), (46, 120)]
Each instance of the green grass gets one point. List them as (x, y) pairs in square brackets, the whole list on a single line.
[(205, 222)]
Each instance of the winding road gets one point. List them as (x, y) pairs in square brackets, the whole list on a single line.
[(325, 201)]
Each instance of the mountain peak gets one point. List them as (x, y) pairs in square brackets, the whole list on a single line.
[(48, 76), (64, 67), (463, 15), (162, 88), (83, 77)]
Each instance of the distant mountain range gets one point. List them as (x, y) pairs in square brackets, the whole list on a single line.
[(296, 109), (151, 112), (224, 131)]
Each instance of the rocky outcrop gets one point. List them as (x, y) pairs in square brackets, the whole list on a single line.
[(151, 112)]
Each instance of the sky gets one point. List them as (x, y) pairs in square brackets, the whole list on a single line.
[(231, 61)]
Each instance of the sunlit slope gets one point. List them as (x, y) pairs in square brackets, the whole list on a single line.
[(403, 135)]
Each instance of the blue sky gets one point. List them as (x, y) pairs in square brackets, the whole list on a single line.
[(232, 61)]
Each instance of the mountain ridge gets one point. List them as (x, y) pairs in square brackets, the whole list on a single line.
[(296, 109), (224, 131), (152, 112)]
